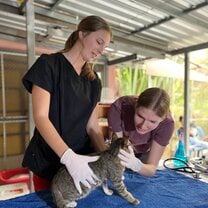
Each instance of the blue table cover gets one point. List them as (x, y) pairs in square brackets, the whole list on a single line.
[(167, 189)]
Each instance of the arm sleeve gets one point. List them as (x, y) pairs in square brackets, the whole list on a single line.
[(39, 74), (114, 116), (164, 132)]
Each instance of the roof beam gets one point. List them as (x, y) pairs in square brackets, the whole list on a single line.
[(55, 15), (121, 44), (56, 4), (123, 59), (189, 49), (173, 15)]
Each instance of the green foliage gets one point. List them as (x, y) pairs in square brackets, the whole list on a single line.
[(132, 80)]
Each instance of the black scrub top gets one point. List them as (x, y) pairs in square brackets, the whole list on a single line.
[(73, 98)]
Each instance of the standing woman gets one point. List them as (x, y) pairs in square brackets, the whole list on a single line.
[(65, 91), (147, 121)]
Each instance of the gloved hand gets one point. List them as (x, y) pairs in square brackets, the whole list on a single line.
[(77, 166), (129, 160)]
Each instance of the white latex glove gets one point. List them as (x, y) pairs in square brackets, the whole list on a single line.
[(77, 166), (129, 160)]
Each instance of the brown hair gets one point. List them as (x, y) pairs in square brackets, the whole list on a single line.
[(88, 24), (155, 99)]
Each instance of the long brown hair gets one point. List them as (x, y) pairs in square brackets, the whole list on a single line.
[(155, 99), (88, 24)]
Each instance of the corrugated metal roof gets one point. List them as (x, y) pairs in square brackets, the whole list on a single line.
[(148, 28)]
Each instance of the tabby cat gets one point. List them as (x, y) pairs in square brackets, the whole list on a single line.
[(107, 166)]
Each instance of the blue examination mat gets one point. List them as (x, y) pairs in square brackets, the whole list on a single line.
[(167, 189)]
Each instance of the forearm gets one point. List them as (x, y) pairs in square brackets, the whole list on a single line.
[(95, 132), (150, 166), (97, 138), (50, 135), (147, 170), (41, 103)]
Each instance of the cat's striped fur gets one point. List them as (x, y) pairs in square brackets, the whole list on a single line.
[(107, 166)]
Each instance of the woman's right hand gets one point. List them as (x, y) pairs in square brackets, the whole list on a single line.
[(129, 160), (77, 166)]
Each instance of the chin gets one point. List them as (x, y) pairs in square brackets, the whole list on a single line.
[(86, 59), (141, 131)]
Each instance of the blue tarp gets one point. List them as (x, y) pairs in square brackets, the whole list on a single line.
[(167, 189)]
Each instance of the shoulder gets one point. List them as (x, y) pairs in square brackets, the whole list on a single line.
[(47, 57), (168, 121), (49, 64), (164, 131), (42, 72), (51, 58), (166, 127), (46, 62)]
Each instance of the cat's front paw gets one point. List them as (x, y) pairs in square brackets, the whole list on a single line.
[(107, 191), (71, 204)]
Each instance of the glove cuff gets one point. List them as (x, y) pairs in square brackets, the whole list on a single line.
[(67, 154), (137, 166)]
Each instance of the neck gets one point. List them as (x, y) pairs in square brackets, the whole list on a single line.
[(75, 58)]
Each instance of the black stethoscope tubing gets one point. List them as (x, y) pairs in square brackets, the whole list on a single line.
[(186, 168)]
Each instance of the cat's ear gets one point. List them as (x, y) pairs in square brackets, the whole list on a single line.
[(114, 136), (126, 143)]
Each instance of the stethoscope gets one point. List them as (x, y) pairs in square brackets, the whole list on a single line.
[(184, 167)]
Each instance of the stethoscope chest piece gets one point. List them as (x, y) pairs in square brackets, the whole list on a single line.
[(197, 174)]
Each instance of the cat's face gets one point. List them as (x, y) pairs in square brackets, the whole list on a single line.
[(124, 142)]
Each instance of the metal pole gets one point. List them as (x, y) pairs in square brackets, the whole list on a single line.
[(186, 103), (3, 110), (30, 23)]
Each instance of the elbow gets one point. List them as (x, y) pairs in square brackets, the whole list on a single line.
[(94, 130), (152, 173), (148, 171), (40, 119)]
